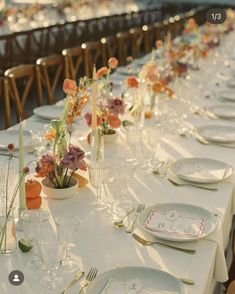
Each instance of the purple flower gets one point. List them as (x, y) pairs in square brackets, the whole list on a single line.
[(74, 158), (116, 106)]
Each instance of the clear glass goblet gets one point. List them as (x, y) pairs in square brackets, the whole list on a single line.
[(67, 228), (34, 221), (134, 140), (154, 140), (51, 250), (97, 172)]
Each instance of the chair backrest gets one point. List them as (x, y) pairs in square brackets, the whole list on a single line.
[(52, 73), (74, 62), (22, 79), (124, 47), (149, 38), (110, 47), (5, 100), (94, 54), (137, 42)]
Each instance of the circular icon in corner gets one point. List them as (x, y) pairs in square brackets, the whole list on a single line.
[(216, 15), (16, 278)]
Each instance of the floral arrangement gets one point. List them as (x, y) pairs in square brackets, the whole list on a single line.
[(109, 108), (59, 166)]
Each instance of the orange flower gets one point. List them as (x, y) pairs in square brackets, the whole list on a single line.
[(114, 121), (157, 87), (132, 82), (103, 71), (50, 136), (113, 62), (192, 21), (69, 85)]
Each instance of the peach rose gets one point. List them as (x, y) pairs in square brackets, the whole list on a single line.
[(69, 85), (157, 87), (132, 82), (113, 62), (103, 71)]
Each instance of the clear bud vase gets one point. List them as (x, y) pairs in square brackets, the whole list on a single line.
[(97, 146), (7, 233), (137, 109)]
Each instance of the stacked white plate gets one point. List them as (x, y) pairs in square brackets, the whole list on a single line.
[(217, 133), (153, 280), (165, 221), (12, 137), (49, 112), (226, 111), (227, 95), (201, 170)]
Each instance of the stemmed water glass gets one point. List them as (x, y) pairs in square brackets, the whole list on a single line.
[(67, 228), (97, 173), (134, 140), (34, 222), (154, 139), (51, 250)]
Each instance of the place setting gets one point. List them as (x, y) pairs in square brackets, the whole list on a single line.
[(202, 173)]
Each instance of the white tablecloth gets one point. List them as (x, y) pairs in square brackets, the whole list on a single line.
[(103, 246)]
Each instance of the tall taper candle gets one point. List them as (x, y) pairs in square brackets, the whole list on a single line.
[(22, 198), (94, 102), (168, 40)]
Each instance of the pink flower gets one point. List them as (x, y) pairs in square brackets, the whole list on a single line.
[(116, 106), (74, 158), (103, 71), (88, 118), (26, 170), (113, 62), (10, 147)]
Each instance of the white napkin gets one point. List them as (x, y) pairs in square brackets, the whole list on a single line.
[(131, 287)]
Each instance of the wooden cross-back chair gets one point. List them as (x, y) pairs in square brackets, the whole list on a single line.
[(52, 74), (74, 62), (124, 47), (22, 82), (137, 42), (94, 54), (149, 38), (110, 47), (5, 101)]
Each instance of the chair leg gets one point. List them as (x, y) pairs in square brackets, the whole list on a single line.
[(7, 107)]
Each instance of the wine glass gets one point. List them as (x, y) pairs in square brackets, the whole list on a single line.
[(154, 139), (134, 140), (67, 228), (97, 171), (51, 250), (34, 221)]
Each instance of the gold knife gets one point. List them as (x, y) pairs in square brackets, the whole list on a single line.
[(74, 281)]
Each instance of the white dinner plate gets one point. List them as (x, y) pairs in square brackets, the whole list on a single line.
[(179, 211), (231, 83), (12, 137), (201, 170), (217, 133), (49, 112), (223, 110), (150, 278), (228, 95)]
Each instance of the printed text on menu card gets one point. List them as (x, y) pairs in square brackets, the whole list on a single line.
[(173, 222)]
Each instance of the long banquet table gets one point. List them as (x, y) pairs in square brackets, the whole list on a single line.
[(103, 246)]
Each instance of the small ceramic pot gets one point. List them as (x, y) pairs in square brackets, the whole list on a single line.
[(62, 193)]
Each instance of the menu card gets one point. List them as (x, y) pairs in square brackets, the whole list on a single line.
[(131, 287), (174, 223)]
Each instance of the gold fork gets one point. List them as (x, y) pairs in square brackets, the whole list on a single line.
[(90, 276), (148, 243), (139, 209)]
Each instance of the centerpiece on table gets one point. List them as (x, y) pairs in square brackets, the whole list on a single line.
[(58, 168), (109, 108)]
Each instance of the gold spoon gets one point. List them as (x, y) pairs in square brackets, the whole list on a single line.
[(119, 224)]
